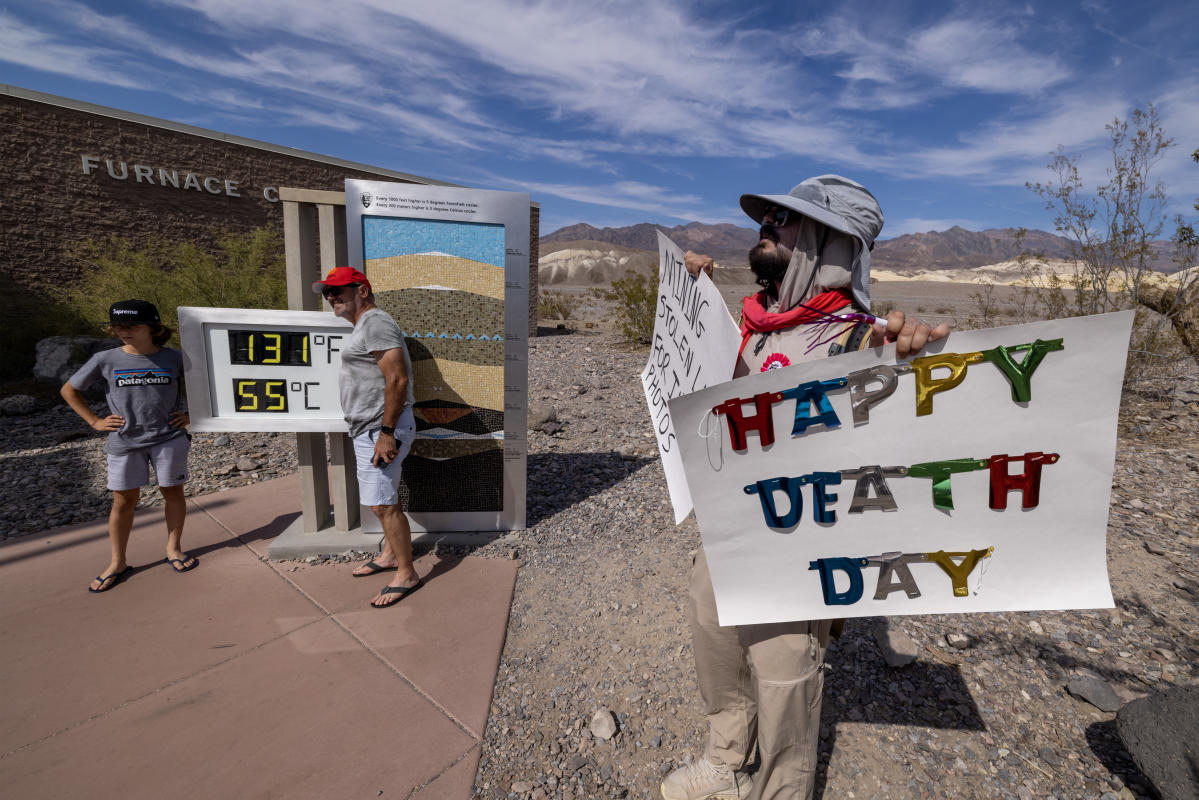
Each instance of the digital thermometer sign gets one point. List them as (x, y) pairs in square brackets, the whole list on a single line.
[(262, 370)]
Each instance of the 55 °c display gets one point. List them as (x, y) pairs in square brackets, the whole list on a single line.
[(255, 394), (282, 348)]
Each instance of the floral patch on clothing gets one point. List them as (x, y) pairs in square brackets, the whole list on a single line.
[(776, 361)]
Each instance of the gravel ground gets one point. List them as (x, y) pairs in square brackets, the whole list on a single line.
[(597, 622)]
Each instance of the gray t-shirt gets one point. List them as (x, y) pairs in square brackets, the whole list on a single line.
[(145, 390), (361, 380)]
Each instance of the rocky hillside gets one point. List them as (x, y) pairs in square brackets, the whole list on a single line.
[(724, 242), (958, 248), (582, 254)]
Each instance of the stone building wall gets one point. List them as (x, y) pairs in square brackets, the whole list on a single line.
[(69, 174)]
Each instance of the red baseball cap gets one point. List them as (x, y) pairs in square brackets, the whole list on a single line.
[(341, 276)]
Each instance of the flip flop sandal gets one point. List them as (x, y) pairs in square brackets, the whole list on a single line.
[(402, 591), (375, 569), (179, 564), (115, 578)]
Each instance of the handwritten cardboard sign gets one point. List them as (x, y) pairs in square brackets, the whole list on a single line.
[(975, 477), (695, 345)]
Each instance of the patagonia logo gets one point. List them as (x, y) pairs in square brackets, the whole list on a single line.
[(141, 377)]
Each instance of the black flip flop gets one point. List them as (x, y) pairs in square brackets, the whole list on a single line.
[(375, 569), (402, 591), (115, 578), (176, 561)]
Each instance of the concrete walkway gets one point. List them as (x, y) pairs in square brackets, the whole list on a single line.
[(241, 678)]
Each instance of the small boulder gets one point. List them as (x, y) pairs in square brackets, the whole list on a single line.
[(18, 405), (897, 647), (957, 641), (59, 357), (1095, 691), (603, 724), (540, 414), (1161, 733)]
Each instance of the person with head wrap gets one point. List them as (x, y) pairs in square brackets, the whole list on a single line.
[(761, 685)]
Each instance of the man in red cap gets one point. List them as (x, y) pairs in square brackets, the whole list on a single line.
[(375, 385)]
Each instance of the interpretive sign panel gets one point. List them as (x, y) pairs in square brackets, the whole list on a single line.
[(974, 478), (451, 266), (695, 345), (252, 369)]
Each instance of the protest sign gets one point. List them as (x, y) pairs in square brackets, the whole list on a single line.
[(975, 477), (695, 345)]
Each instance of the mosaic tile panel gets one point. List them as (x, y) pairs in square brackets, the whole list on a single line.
[(443, 282)]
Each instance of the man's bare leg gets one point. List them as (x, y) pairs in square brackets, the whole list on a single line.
[(397, 535)]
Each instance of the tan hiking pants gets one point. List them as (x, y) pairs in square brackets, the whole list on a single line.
[(761, 687)]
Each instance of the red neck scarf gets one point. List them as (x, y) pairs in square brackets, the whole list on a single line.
[(756, 319)]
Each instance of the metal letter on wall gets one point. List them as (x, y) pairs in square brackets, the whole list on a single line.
[(451, 266)]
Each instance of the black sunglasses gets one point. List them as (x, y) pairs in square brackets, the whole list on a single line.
[(333, 291), (776, 216)]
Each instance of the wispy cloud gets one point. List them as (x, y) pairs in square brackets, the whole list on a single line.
[(29, 46)]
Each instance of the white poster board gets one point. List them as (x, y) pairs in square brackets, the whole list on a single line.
[(695, 345), (875, 542)]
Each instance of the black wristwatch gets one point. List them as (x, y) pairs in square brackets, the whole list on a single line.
[(390, 431)]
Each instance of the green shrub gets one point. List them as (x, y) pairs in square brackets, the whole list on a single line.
[(635, 297), (247, 271), (558, 305)]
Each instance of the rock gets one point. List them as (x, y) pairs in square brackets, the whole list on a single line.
[(1095, 691), (628, 453), (227, 469), (1187, 586), (541, 413), (957, 641), (897, 647), (247, 464), (1161, 733), (521, 787), (18, 405), (1150, 547), (221, 441), (603, 724), (551, 427), (59, 357)]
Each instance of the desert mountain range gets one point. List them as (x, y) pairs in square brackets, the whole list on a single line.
[(583, 254)]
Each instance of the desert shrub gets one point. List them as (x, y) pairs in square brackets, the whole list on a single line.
[(247, 271), (558, 305), (1114, 230), (881, 308), (635, 297), (985, 305)]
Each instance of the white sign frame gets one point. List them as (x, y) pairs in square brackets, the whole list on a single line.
[(207, 369)]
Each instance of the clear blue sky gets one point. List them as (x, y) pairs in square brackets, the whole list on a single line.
[(620, 112)]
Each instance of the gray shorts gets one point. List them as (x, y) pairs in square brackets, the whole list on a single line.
[(132, 470), (381, 487)]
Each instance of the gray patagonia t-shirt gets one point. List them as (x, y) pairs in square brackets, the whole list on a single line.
[(361, 381), (145, 390)]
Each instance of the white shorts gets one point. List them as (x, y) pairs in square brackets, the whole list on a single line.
[(381, 486), (132, 470)]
